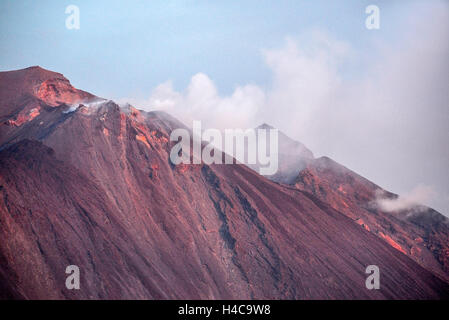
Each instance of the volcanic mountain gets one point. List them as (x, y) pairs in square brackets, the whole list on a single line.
[(86, 182)]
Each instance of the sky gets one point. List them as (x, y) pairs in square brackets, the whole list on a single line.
[(376, 101)]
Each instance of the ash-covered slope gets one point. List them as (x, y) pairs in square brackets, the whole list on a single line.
[(95, 188)]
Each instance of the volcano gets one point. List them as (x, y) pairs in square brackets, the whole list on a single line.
[(86, 182)]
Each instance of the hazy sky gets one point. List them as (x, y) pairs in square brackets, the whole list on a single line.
[(377, 101)]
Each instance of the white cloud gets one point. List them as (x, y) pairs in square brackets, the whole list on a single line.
[(411, 200), (305, 80), (201, 101)]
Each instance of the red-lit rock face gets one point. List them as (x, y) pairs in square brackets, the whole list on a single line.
[(59, 90), (392, 243), (22, 90), (28, 98), (96, 189), (24, 117)]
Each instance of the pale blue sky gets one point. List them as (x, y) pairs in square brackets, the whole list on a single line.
[(139, 44)]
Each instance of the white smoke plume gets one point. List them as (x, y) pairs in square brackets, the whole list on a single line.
[(412, 200), (387, 119)]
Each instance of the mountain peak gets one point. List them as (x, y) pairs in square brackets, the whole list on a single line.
[(34, 85), (36, 68), (265, 126), (32, 73)]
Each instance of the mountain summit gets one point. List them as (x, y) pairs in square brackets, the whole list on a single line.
[(31, 85)]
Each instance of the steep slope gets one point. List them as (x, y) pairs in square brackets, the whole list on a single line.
[(52, 217), (95, 188)]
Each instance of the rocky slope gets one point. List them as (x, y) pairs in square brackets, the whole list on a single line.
[(419, 232), (86, 182)]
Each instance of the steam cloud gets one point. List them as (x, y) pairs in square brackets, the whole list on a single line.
[(412, 200), (388, 120)]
